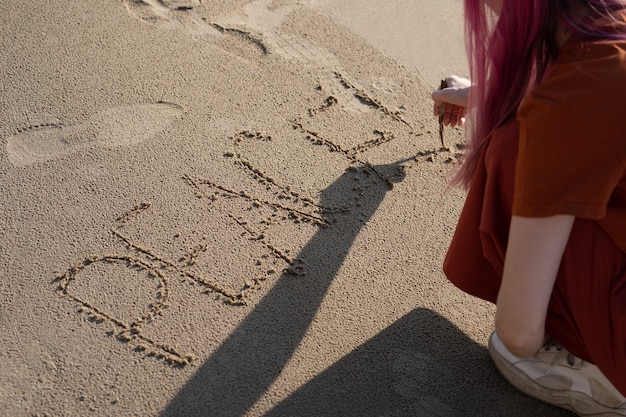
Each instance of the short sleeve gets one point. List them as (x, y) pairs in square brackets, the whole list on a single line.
[(563, 165)]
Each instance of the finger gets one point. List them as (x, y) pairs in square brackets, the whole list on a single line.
[(462, 116), (447, 114), (449, 119), (439, 108), (452, 115), (460, 119)]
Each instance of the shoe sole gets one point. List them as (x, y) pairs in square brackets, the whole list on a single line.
[(577, 402)]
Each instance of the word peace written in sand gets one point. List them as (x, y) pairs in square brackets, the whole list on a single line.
[(158, 266)]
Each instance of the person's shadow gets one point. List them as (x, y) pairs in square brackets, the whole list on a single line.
[(420, 366), (405, 371), (252, 357)]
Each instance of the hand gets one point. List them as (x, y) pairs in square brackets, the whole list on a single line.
[(451, 102)]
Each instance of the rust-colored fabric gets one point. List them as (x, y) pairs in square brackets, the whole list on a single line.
[(572, 151), (475, 258), (587, 310)]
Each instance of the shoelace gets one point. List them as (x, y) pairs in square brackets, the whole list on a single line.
[(563, 354)]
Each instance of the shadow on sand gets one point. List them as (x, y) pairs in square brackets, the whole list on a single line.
[(420, 366)]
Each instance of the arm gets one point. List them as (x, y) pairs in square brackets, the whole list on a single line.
[(533, 257)]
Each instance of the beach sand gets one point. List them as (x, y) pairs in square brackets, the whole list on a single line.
[(234, 208)]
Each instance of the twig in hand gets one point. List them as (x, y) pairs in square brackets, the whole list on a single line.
[(442, 109)]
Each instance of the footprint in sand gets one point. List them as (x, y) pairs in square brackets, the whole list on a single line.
[(169, 13), (121, 126), (257, 22), (261, 20)]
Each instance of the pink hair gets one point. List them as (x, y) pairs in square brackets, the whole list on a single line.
[(510, 53)]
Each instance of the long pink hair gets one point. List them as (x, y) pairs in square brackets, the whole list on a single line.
[(510, 53)]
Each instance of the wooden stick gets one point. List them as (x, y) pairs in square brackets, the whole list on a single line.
[(441, 113)]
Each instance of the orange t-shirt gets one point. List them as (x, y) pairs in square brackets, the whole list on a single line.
[(572, 149)]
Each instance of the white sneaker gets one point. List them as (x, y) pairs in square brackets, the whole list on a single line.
[(557, 377)]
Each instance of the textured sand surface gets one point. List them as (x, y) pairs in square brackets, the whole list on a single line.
[(233, 208)]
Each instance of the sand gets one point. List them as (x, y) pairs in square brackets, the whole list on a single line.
[(234, 208)]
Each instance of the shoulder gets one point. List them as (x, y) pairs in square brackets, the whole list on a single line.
[(584, 94), (585, 69)]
